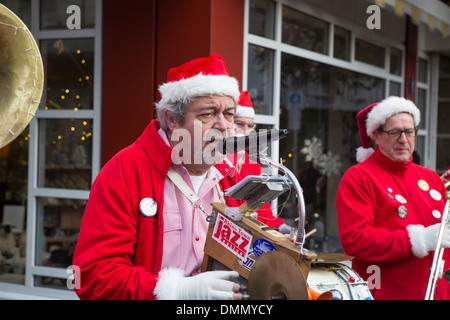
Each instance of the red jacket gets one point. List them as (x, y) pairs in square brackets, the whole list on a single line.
[(372, 231), (119, 250)]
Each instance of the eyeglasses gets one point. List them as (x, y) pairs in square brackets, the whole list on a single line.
[(242, 125), (396, 133)]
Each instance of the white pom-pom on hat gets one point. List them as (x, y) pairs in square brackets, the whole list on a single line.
[(244, 106)]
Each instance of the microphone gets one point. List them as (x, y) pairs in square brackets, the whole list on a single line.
[(251, 143)]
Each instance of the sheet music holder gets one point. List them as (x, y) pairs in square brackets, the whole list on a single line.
[(258, 190)]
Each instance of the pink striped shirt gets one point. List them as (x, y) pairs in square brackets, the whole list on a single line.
[(185, 227)]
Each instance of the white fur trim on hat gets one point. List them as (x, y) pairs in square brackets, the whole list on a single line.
[(362, 154), (246, 112), (198, 86), (386, 109)]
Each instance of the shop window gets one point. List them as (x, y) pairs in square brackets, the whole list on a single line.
[(423, 70), (395, 88), (444, 84), (65, 146), (59, 222), (304, 31), (262, 17), (13, 203), (318, 105), (369, 53), (69, 65), (65, 153), (395, 61), (419, 150), (422, 105), (443, 116), (54, 13), (22, 8), (260, 78), (342, 40), (317, 100), (443, 141)]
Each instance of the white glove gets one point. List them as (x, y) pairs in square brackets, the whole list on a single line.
[(211, 285), (424, 240)]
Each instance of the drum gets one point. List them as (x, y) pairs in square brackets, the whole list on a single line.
[(343, 282)]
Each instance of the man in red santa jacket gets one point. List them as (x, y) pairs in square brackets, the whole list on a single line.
[(144, 227), (389, 209)]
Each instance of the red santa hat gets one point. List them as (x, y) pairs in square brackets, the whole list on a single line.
[(375, 115), (244, 106), (199, 77)]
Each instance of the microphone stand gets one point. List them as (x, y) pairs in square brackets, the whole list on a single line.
[(300, 238)]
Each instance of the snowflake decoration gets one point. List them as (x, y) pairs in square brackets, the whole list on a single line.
[(329, 164), (313, 149)]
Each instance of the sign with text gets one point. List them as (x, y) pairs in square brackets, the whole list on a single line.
[(232, 237)]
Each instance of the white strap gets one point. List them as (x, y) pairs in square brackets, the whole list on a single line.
[(188, 193), (186, 190), (183, 186)]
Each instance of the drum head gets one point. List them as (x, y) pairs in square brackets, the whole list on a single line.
[(276, 276), (21, 76)]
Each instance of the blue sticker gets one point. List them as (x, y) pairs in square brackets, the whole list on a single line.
[(261, 246)]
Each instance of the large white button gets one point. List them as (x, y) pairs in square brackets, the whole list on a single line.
[(436, 214), (436, 195), (148, 207)]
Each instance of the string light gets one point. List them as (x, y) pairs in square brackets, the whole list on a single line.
[(66, 94)]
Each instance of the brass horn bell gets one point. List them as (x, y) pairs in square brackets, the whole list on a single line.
[(21, 76)]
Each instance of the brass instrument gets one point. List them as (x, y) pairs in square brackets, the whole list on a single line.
[(21, 76), (438, 263), (446, 178)]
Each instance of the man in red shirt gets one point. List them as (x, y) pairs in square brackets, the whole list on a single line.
[(389, 209), (144, 227)]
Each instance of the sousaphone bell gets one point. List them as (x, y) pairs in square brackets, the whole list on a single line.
[(21, 76)]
